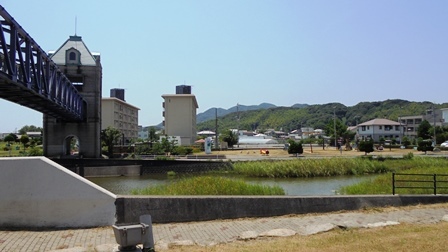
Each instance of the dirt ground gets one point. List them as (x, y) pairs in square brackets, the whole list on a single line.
[(318, 152)]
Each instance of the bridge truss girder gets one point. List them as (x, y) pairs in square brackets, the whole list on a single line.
[(30, 78)]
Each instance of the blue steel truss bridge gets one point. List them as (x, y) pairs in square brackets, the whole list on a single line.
[(30, 78)]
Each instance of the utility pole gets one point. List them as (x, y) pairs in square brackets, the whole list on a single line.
[(216, 128), (334, 125), (238, 119), (434, 118)]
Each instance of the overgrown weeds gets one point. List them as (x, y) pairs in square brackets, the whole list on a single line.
[(210, 185)]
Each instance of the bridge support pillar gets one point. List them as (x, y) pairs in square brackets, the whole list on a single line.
[(83, 69)]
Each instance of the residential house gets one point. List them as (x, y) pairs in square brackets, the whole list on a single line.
[(380, 128)]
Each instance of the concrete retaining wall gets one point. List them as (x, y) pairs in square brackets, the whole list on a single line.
[(188, 208), (37, 192), (147, 166), (112, 171)]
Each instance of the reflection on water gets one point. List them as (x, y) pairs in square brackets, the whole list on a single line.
[(292, 186)]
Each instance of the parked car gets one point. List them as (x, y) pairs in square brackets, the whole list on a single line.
[(444, 144)]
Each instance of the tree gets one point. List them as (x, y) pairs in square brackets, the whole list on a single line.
[(164, 146), (30, 128), (366, 146), (294, 147), (24, 139), (152, 134), (341, 131), (425, 145), (109, 137), (230, 138), (10, 138), (424, 130), (405, 141)]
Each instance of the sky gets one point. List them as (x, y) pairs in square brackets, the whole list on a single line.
[(248, 52)]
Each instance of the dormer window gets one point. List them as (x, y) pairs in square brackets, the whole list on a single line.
[(72, 57)]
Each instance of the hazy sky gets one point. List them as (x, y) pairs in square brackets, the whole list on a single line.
[(248, 52)]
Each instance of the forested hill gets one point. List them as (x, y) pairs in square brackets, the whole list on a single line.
[(316, 116), (211, 113)]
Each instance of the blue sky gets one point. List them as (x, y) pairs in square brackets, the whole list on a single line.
[(248, 52)]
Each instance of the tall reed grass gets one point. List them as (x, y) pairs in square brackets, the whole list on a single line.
[(324, 167), (210, 185)]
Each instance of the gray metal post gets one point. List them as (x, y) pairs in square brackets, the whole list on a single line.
[(148, 241)]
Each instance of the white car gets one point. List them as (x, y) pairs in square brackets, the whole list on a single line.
[(444, 144)]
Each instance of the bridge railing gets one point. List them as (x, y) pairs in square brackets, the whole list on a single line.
[(22, 61)]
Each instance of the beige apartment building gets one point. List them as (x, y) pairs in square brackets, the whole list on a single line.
[(121, 115), (180, 117)]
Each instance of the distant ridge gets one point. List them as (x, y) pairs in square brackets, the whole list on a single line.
[(210, 113)]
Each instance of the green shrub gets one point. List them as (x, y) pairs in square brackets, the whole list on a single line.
[(366, 146), (295, 148), (35, 151), (408, 156), (425, 145)]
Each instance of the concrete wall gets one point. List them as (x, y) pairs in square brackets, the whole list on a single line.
[(201, 208), (112, 171), (37, 192)]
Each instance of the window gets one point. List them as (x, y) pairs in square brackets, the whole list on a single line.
[(381, 127), (72, 56), (363, 128)]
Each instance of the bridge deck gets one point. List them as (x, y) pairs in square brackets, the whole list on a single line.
[(29, 98)]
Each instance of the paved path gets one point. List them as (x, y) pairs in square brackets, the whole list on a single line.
[(210, 233)]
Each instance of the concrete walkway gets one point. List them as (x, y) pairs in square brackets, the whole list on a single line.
[(213, 232)]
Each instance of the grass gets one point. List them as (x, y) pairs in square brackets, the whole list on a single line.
[(382, 184), (323, 167), (209, 185), (17, 150), (14, 151), (403, 237)]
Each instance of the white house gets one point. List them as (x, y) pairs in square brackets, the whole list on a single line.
[(380, 128)]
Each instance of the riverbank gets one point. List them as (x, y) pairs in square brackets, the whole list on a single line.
[(315, 152)]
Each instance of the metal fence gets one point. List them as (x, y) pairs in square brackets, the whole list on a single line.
[(419, 181)]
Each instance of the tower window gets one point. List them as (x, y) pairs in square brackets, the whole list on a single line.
[(72, 56)]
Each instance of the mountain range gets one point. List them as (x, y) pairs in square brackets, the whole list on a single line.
[(212, 113), (269, 116)]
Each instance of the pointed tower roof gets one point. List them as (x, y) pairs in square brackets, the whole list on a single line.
[(74, 43)]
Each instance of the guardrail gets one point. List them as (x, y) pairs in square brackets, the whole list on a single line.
[(420, 181)]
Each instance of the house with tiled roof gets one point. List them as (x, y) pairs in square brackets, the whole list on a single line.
[(380, 128)]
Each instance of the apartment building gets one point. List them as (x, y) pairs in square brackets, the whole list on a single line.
[(180, 115), (117, 113), (411, 123)]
